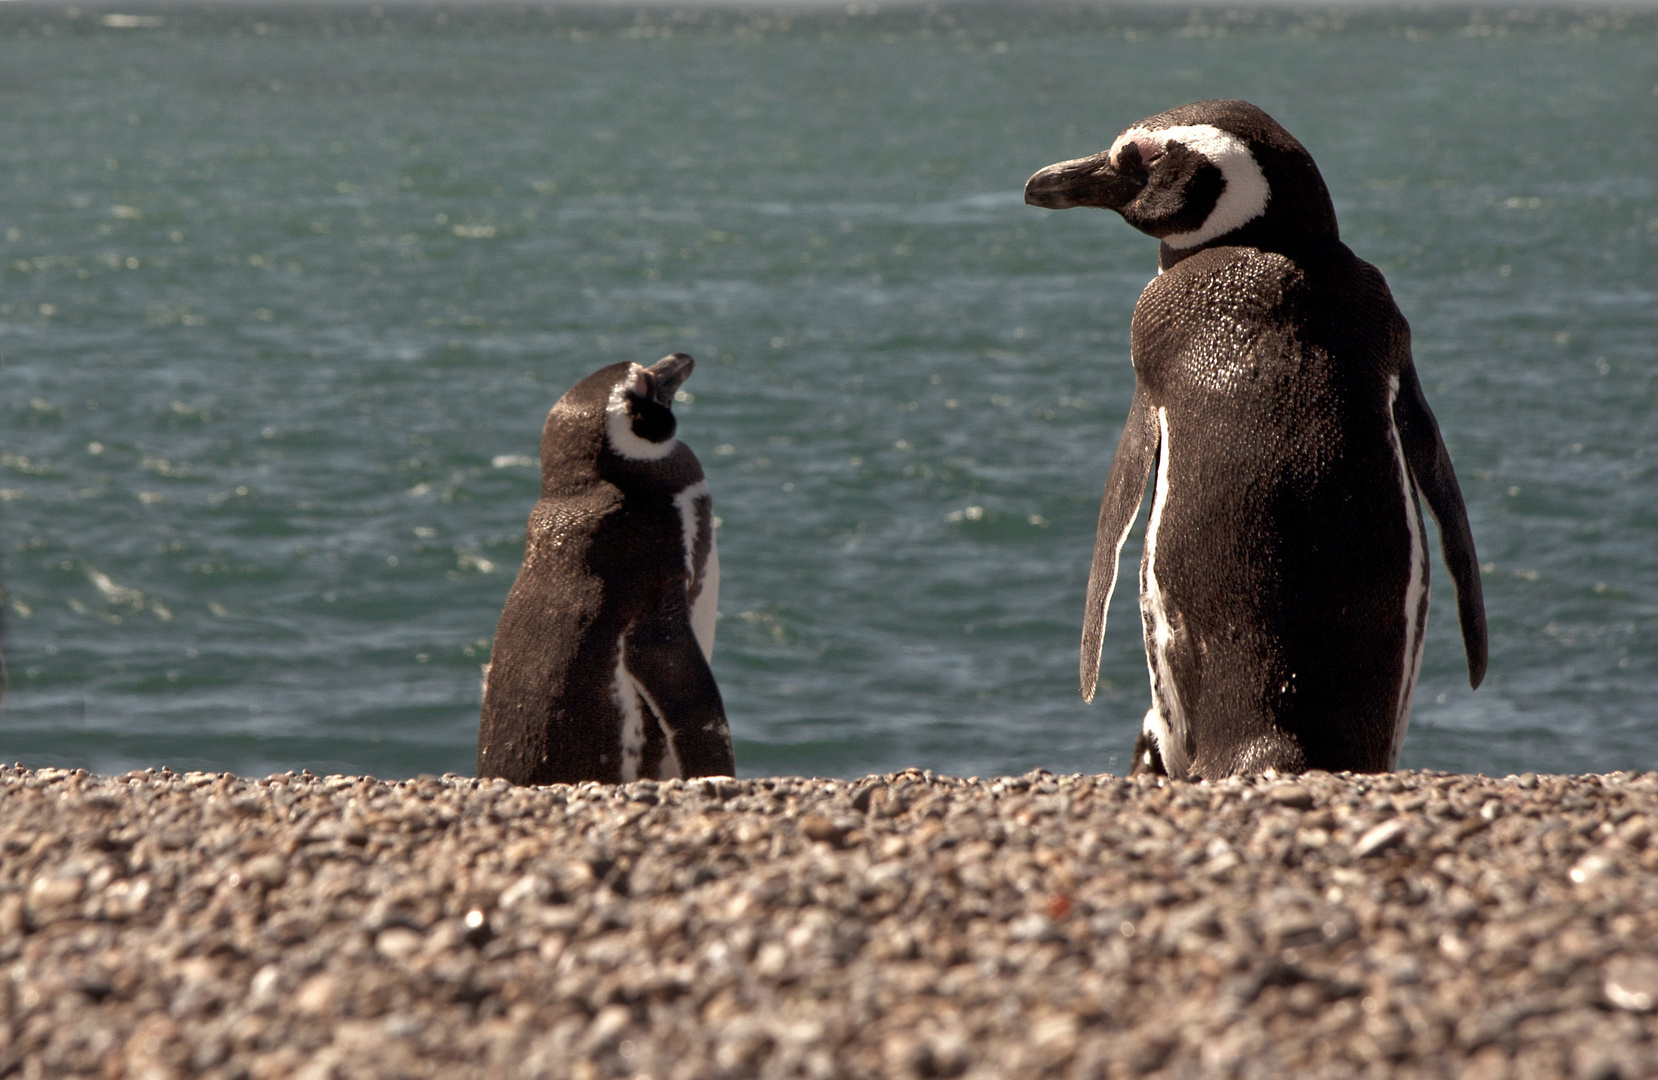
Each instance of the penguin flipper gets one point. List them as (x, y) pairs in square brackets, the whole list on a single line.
[(668, 666), (1430, 464), (1124, 489)]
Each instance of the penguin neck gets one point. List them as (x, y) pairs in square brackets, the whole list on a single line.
[(1299, 222), (1297, 247), (572, 440)]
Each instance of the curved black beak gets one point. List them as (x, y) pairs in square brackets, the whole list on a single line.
[(1089, 181), (667, 374)]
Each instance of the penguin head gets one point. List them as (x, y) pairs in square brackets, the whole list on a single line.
[(1209, 173), (618, 423), (639, 417)]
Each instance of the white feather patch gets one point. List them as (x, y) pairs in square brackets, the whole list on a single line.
[(696, 512), (1154, 727), (705, 609), (1416, 591), (619, 427), (1246, 193), (669, 768), (625, 693), (1166, 721)]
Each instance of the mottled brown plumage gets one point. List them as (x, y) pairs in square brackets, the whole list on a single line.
[(1284, 581), (597, 671)]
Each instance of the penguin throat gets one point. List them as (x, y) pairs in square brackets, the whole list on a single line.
[(624, 440), (1245, 194)]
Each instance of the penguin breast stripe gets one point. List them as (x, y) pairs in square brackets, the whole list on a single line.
[(702, 562), (692, 504), (619, 431), (1246, 193), (669, 768), (625, 693), (1166, 721), (1416, 591)]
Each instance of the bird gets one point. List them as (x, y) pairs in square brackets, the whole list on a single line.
[(600, 664), (1280, 421)]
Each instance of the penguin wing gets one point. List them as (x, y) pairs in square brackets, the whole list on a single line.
[(541, 641), (1126, 486), (1430, 464), (670, 670)]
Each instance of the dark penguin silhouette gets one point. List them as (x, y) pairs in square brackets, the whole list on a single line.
[(1284, 587), (600, 664)]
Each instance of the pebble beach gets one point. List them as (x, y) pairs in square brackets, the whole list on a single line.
[(158, 925)]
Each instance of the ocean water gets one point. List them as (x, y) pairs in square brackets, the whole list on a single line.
[(286, 292)]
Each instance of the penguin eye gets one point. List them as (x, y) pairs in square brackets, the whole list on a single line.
[(651, 420), (1138, 156)]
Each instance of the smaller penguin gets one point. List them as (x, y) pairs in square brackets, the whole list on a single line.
[(600, 665)]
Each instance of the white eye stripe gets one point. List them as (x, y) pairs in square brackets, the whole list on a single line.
[(1246, 194), (1141, 137), (619, 430)]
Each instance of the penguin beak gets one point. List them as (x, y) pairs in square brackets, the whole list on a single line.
[(667, 374), (1089, 181)]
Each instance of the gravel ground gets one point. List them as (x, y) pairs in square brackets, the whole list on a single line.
[(157, 925)]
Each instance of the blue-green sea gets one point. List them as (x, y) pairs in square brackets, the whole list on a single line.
[(286, 292)]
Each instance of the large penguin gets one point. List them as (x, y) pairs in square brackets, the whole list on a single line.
[(1284, 586), (600, 664)]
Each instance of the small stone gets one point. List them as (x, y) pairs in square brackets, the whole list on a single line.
[(398, 942), (52, 898), (1592, 867), (478, 931), (1058, 1032), (1292, 795), (270, 870), (1635, 832), (55, 891), (886, 803), (526, 888), (607, 1027), (903, 1054), (1379, 838), (1455, 947), (1632, 983), (153, 1051), (948, 1055), (1034, 926), (316, 994), (720, 787), (343, 830), (824, 830)]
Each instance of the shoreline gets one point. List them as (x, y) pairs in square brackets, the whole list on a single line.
[(1405, 924)]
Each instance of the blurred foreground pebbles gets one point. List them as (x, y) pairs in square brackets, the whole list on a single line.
[(157, 925)]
